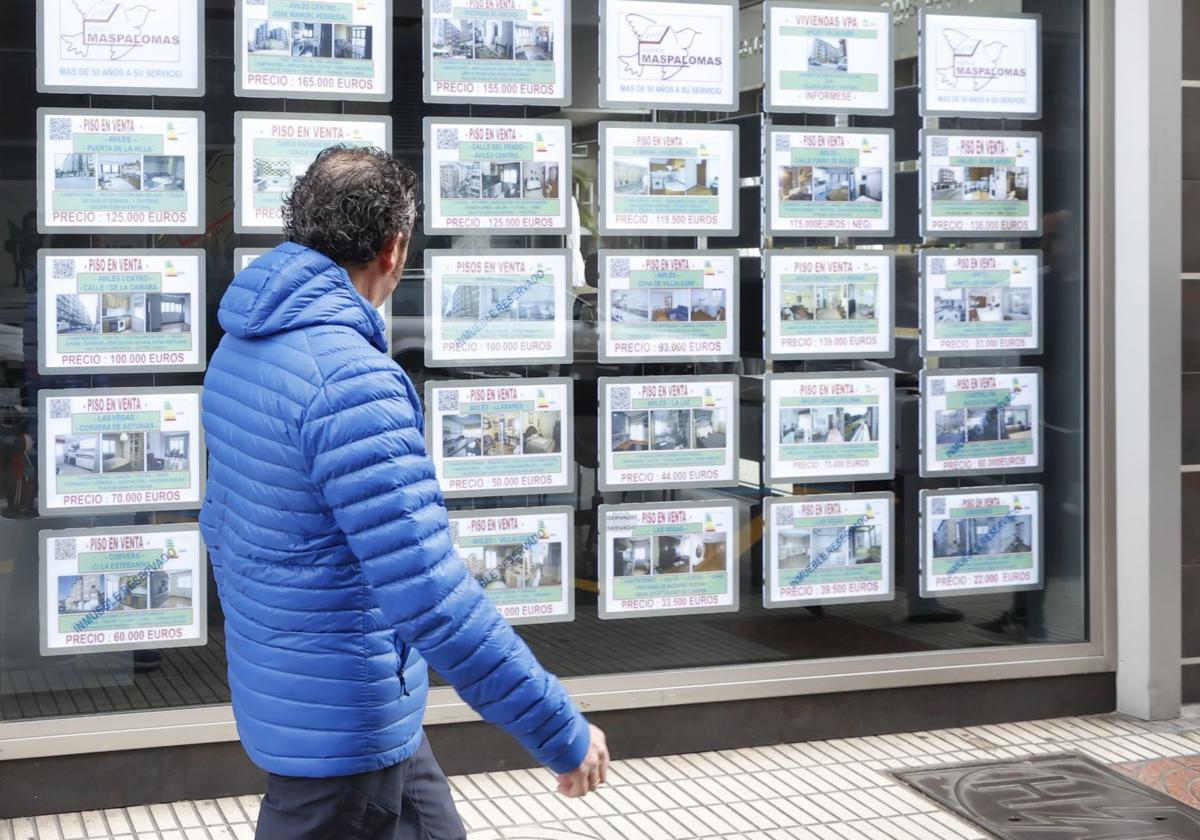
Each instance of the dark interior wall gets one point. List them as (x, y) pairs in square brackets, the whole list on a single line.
[(1190, 588)]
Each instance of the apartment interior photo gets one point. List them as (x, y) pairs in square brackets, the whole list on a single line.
[(630, 431)]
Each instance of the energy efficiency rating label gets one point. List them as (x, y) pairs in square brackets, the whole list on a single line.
[(828, 59), (125, 588), (496, 175), (981, 421), (978, 302), (498, 51), (501, 437), (829, 182), (680, 54), (119, 450), (668, 179), (490, 307), (668, 558), (120, 171), (828, 549), (120, 311), (523, 559), (272, 150), (981, 539), (668, 432), (140, 47), (829, 303), (668, 306), (309, 49), (975, 184), (829, 426), (980, 65)]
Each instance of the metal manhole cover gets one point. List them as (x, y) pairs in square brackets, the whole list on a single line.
[(1057, 797)]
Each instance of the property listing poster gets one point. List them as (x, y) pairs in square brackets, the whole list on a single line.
[(980, 184), (495, 176), (829, 426), (834, 549), (827, 60), (125, 588), (120, 311), (513, 51), (128, 46), (501, 437), (976, 302), (272, 150), (981, 539), (314, 49), (489, 307), (668, 432), (669, 54), (981, 420), (668, 558), (668, 179), (120, 171), (829, 182), (668, 306), (522, 558), (829, 303), (980, 65), (111, 450)]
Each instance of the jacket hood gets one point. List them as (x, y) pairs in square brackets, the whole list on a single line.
[(292, 287)]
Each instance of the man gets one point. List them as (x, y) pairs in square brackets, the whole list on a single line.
[(329, 539)]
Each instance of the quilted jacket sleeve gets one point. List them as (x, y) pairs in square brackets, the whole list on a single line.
[(362, 439)]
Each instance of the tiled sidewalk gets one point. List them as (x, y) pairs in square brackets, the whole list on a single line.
[(823, 790)]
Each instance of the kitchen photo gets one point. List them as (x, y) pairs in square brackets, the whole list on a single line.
[(462, 435), (312, 40), (683, 176), (119, 173), (76, 454), (630, 306), (123, 312), (630, 177), (537, 304), (501, 180), (129, 592), (795, 548)]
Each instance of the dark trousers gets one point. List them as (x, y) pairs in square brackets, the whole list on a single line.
[(407, 801)]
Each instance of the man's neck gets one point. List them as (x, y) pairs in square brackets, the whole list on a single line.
[(371, 285)]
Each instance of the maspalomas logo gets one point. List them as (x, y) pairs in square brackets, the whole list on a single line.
[(113, 31), (975, 63), (665, 50)]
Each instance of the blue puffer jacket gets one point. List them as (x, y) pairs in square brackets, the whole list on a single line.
[(329, 541)]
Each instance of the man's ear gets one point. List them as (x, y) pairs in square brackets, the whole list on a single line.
[(392, 254)]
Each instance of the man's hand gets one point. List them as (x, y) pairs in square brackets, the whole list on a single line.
[(592, 773)]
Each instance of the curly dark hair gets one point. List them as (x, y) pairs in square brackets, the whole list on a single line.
[(350, 202)]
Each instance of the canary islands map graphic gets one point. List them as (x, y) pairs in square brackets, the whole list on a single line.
[(663, 51), (112, 30), (974, 63)]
